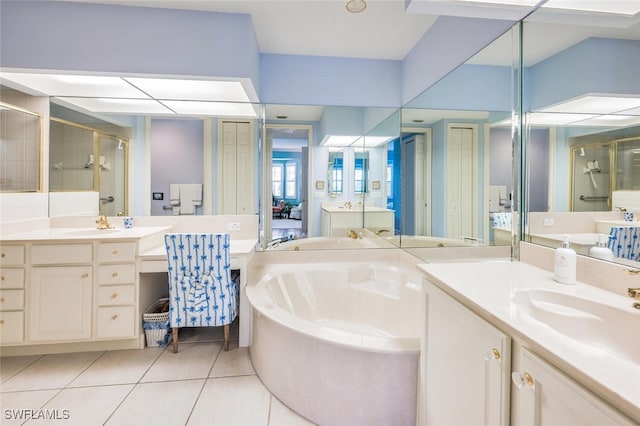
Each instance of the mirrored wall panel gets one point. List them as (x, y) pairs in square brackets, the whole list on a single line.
[(582, 131)]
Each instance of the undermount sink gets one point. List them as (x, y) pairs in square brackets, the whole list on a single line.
[(607, 326), (93, 232)]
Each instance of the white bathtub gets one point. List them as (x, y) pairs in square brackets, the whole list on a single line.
[(332, 243), (339, 342)]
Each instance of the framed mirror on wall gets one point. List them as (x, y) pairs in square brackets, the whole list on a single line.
[(581, 127)]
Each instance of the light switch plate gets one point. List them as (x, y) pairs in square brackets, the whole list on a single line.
[(234, 226), (547, 222)]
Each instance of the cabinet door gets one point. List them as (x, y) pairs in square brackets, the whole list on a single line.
[(547, 397), (468, 363), (60, 303)]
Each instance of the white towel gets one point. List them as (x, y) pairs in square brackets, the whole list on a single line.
[(174, 194), (190, 196)]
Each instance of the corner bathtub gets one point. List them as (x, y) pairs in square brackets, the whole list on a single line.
[(331, 243), (339, 342)]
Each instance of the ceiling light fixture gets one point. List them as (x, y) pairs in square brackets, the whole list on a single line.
[(356, 6)]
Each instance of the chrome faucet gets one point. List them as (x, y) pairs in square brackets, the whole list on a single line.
[(103, 223), (634, 292)]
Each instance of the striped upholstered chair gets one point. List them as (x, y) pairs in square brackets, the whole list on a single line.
[(624, 242), (201, 291)]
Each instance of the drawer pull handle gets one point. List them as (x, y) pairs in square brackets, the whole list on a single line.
[(3, 255), (85, 275), (114, 274), (114, 317), (1, 322), (115, 252), (114, 295), (2, 278), (1, 299)]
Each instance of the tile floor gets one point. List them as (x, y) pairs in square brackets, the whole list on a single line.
[(200, 385)]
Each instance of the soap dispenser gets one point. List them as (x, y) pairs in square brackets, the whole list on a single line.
[(564, 270), (600, 250)]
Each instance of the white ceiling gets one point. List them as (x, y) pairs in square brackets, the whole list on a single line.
[(316, 27)]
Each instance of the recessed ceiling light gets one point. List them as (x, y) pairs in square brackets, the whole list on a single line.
[(595, 104), (228, 109), (196, 90), (117, 106), (356, 6)]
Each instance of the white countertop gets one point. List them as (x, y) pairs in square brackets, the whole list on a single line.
[(54, 234), (343, 209), (487, 289), (237, 247)]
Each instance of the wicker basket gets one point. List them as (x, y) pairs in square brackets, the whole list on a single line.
[(156, 324)]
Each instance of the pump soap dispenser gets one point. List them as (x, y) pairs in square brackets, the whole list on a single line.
[(564, 270), (600, 250)]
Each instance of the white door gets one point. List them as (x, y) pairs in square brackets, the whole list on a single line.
[(460, 181), (237, 176)]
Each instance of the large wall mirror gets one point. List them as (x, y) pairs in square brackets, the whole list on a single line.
[(582, 127), (455, 154)]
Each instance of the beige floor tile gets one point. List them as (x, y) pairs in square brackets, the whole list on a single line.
[(19, 404), (164, 403), (193, 361), (232, 401), (85, 406), (281, 415), (11, 365), (234, 362), (51, 371), (118, 367)]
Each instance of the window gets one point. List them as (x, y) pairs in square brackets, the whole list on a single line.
[(284, 179), (276, 180), (290, 190)]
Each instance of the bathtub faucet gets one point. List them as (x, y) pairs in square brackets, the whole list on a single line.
[(380, 231), (634, 292)]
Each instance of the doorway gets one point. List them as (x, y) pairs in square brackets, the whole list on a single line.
[(287, 180)]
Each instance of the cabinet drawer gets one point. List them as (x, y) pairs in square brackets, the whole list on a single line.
[(11, 327), (116, 322), (11, 300), (116, 295), (49, 254), (116, 274), (11, 278), (116, 252), (11, 255)]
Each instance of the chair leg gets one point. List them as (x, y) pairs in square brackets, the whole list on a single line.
[(226, 337), (175, 339)]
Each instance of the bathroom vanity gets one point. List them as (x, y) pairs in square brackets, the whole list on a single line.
[(337, 220), (505, 344), (68, 289)]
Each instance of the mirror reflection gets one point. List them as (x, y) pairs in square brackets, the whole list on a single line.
[(334, 172), (582, 118), (20, 146)]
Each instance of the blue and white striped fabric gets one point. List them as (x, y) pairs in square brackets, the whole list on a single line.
[(201, 290), (624, 242), (502, 220)]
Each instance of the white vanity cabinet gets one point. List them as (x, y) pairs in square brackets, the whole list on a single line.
[(60, 292), (468, 364), (337, 221), (12, 273), (115, 290), (545, 396)]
